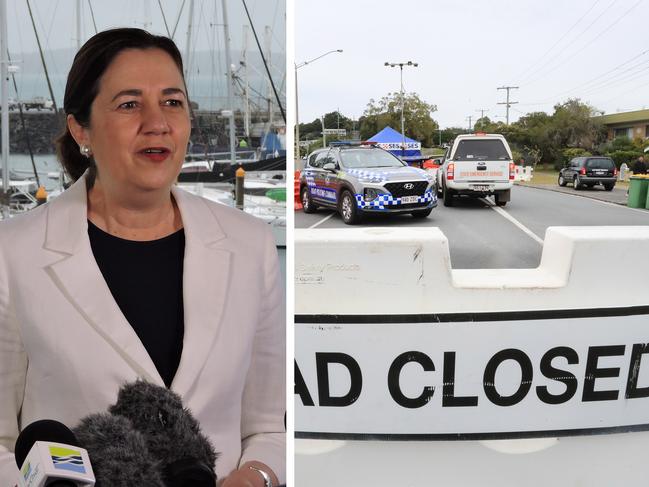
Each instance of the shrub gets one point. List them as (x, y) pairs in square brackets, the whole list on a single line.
[(620, 156)]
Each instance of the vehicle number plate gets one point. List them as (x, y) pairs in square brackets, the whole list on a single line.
[(481, 187), (409, 199)]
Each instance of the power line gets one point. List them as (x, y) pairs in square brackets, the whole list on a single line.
[(608, 72), (613, 82), (549, 61), (561, 38), (598, 84), (597, 37)]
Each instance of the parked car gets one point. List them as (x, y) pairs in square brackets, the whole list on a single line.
[(586, 172), (477, 165), (360, 178)]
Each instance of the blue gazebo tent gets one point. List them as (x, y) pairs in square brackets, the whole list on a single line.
[(391, 140)]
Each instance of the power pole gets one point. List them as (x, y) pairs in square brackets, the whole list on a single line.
[(508, 103), (469, 118), (482, 110)]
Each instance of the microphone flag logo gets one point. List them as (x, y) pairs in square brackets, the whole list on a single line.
[(27, 469), (67, 459)]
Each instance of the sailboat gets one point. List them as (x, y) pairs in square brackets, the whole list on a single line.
[(212, 177)]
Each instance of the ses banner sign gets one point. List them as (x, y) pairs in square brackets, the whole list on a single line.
[(399, 146), (472, 376)]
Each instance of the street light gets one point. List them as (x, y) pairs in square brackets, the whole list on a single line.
[(401, 65), (297, 118)]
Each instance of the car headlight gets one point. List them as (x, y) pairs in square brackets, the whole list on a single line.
[(371, 194)]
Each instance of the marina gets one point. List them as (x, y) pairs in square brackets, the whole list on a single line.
[(240, 123)]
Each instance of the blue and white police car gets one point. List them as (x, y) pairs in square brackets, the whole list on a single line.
[(359, 178)]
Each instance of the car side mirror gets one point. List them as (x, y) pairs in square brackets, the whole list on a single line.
[(329, 166)]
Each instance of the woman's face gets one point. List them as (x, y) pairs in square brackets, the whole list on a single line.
[(139, 122)]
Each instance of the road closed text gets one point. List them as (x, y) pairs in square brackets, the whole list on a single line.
[(473, 378), (548, 368)]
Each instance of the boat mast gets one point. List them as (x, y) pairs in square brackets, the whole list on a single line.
[(246, 100), (78, 25), (228, 62), (188, 48), (4, 103), (267, 38), (47, 76)]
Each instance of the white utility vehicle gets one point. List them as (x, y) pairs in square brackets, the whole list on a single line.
[(477, 165)]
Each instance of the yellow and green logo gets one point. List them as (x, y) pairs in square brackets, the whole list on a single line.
[(27, 469)]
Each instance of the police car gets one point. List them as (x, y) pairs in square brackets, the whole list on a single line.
[(359, 178)]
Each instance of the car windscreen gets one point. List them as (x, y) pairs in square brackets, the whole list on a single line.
[(481, 150), (599, 163), (358, 158)]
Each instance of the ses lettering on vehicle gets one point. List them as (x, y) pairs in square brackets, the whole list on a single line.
[(472, 379), (323, 193)]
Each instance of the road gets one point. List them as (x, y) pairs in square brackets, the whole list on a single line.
[(482, 236)]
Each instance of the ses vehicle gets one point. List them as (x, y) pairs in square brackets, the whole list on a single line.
[(477, 165), (361, 178), (586, 172)]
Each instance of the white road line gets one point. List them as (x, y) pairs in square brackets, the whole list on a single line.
[(507, 216), (323, 220)]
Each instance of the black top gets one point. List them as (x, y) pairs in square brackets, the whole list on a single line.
[(146, 280)]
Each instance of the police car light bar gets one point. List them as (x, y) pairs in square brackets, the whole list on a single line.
[(355, 143)]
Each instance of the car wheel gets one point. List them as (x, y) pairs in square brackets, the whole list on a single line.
[(308, 206), (499, 201), (562, 181), (609, 187), (576, 183), (421, 213), (348, 209), (447, 196)]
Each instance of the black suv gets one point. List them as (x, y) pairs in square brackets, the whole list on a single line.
[(586, 172)]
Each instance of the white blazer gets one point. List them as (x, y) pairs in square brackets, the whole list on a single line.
[(66, 348)]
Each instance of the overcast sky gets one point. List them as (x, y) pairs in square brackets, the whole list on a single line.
[(596, 50)]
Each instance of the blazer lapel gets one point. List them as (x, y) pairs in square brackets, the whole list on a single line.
[(80, 279), (205, 285)]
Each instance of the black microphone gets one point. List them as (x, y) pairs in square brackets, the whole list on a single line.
[(119, 453), (172, 434), (47, 454)]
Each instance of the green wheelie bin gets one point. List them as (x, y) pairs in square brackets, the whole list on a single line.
[(638, 191)]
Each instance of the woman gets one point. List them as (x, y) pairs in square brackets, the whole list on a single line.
[(125, 276)]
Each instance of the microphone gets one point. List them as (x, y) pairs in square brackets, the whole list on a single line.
[(47, 454), (171, 433), (120, 455)]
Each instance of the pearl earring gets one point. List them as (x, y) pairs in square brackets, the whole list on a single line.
[(85, 150)]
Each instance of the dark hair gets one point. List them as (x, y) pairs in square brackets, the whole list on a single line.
[(82, 87)]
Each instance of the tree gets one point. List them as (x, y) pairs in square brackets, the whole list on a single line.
[(573, 125), (419, 125), (332, 120)]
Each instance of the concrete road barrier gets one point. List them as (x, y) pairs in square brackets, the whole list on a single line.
[(400, 359)]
